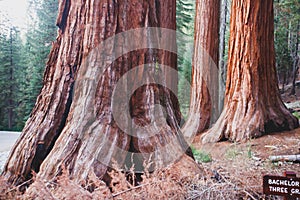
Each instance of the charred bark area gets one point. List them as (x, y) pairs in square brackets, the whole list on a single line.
[(72, 126), (253, 106)]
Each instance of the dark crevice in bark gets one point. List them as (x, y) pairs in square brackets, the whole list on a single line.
[(62, 20), (64, 119), (39, 157), (41, 151)]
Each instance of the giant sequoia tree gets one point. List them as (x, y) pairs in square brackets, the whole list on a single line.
[(76, 121), (253, 106), (204, 95)]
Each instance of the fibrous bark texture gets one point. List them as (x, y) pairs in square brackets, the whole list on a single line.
[(204, 93), (253, 106), (75, 124)]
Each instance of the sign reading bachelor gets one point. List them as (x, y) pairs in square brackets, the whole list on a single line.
[(282, 186)]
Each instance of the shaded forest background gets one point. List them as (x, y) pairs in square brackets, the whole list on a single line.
[(23, 55)]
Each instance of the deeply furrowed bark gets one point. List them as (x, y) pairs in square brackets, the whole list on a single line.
[(204, 94), (253, 106), (72, 125)]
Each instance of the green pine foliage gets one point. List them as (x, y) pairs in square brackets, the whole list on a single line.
[(3, 78), (185, 26), (39, 37), (22, 63), (11, 77), (287, 19), (37, 47)]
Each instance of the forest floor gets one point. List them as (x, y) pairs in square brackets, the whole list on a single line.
[(243, 165)]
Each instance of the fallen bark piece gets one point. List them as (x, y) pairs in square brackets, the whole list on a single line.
[(271, 147), (289, 158)]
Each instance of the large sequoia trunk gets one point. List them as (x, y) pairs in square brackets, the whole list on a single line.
[(204, 94), (73, 125), (253, 106)]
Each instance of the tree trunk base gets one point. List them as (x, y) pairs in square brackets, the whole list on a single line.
[(239, 127)]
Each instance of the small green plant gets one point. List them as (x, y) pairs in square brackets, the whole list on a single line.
[(201, 156), (297, 114), (249, 150)]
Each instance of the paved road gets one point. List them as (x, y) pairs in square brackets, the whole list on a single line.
[(7, 140)]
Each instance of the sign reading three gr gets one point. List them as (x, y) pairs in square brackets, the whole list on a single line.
[(281, 186)]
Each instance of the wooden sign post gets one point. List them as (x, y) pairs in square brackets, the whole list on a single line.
[(287, 185)]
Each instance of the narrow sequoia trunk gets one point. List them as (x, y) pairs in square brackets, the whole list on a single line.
[(222, 64), (253, 106), (73, 125), (11, 79), (295, 61), (204, 94)]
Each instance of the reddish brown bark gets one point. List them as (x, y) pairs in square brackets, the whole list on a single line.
[(72, 124), (253, 106), (167, 12), (205, 71)]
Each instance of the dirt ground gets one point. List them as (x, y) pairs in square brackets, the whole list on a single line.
[(247, 163)]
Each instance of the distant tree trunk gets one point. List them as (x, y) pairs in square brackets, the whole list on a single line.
[(72, 124), (204, 69), (286, 67), (222, 64), (253, 106), (284, 81), (11, 80), (295, 62)]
